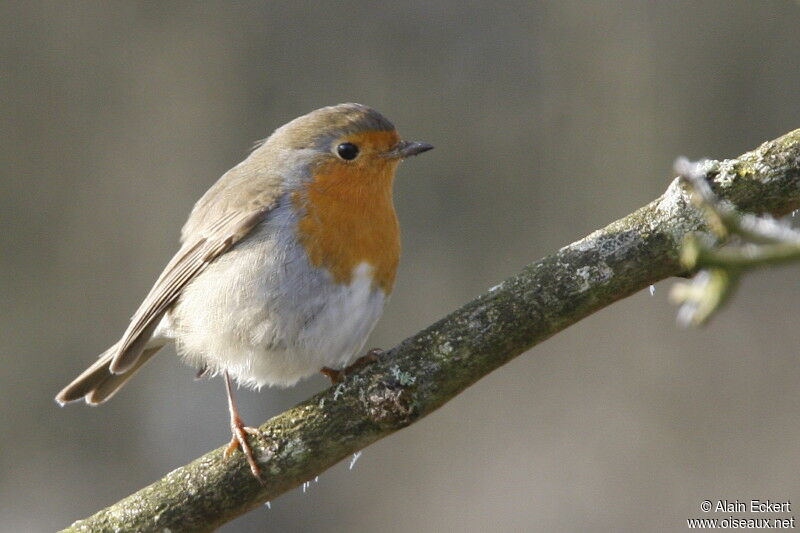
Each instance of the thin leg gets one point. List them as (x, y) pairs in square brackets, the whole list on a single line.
[(337, 376), (239, 432)]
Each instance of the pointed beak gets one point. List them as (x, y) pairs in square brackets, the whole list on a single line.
[(405, 149)]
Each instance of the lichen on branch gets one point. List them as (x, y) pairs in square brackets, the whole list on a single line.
[(736, 242)]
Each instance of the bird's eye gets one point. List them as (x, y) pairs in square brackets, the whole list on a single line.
[(347, 151)]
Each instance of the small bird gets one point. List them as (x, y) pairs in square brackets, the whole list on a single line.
[(284, 266)]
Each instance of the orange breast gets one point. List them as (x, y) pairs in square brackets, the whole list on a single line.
[(348, 219)]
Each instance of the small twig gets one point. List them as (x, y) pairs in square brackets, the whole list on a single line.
[(762, 241)]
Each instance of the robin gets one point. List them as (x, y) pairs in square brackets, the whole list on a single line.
[(284, 266)]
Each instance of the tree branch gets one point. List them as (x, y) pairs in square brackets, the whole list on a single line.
[(759, 241), (423, 372)]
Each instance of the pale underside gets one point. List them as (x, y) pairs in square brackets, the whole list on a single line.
[(262, 312)]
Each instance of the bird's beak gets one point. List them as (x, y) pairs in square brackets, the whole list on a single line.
[(405, 149)]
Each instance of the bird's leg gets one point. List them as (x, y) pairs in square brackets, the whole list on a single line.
[(337, 376), (239, 432)]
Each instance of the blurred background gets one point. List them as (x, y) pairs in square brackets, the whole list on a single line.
[(550, 119)]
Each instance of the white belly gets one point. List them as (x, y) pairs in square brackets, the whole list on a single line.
[(265, 315)]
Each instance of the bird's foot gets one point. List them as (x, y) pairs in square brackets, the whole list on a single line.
[(337, 376), (239, 440)]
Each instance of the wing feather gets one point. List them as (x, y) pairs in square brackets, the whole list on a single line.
[(193, 257)]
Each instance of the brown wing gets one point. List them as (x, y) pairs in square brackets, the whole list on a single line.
[(191, 259)]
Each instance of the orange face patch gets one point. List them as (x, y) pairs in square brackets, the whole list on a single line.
[(348, 214)]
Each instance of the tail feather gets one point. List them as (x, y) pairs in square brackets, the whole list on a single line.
[(97, 383)]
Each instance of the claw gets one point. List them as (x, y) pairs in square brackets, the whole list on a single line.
[(337, 376), (239, 441), (239, 434)]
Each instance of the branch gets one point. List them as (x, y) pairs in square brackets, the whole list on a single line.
[(759, 241), (425, 371)]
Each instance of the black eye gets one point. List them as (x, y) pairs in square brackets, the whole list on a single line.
[(347, 151)]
